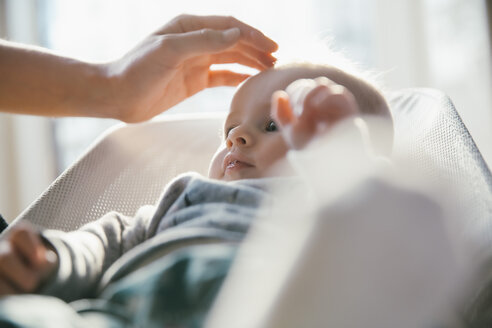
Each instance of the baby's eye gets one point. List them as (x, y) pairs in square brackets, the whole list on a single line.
[(271, 126), (227, 131)]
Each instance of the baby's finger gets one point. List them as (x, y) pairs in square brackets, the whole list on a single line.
[(219, 78), (28, 244), (330, 103), (295, 131), (281, 110), (14, 271), (298, 91)]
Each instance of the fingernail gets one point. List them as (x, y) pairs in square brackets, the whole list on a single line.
[(231, 34)]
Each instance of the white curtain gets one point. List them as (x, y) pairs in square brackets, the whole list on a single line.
[(27, 158)]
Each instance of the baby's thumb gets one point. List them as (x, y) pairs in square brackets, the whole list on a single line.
[(281, 110)]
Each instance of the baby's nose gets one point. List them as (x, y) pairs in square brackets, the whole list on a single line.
[(239, 138)]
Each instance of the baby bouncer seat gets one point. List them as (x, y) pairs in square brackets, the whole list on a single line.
[(128, 165)]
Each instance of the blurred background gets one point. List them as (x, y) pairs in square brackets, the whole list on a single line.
[(443, 44)]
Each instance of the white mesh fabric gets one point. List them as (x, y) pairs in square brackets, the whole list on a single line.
[(429, 130), (127, 168)]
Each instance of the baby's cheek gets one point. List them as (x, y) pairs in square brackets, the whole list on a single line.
[(215, 169), (276, 163), (274, 151)]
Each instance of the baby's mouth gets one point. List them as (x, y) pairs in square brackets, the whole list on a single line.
[(231, 164), (235, 164)]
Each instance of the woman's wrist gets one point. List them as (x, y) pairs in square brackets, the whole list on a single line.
[(91, 91), (115, 96)]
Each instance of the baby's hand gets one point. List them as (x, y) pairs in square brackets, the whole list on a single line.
[(24, 261), (309, 107)]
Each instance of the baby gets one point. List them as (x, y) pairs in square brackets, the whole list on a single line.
[(261, 128), (278, 110)]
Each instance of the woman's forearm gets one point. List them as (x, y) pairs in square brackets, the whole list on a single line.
[(34, 81)]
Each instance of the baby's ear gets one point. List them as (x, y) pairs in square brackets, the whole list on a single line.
[(281, 109)]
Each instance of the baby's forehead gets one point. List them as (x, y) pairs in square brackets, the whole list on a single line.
[(262, 85), (369, 98), (287, 74), (255, 94)]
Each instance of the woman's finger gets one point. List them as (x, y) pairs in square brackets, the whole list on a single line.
[(207, 41), (188, 23), (180, 47), (237, 58), (219, 78), (262, 56)]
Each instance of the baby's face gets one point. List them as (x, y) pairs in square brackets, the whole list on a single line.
[(252, 141)]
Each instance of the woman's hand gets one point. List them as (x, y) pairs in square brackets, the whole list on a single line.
[(25, 262), (173, 64), (165, 68), (308, 108)]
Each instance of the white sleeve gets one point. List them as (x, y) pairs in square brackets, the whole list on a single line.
[(85, 254)]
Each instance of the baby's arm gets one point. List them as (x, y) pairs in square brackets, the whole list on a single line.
[(25, 261), (85, 254), (67, 265)]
